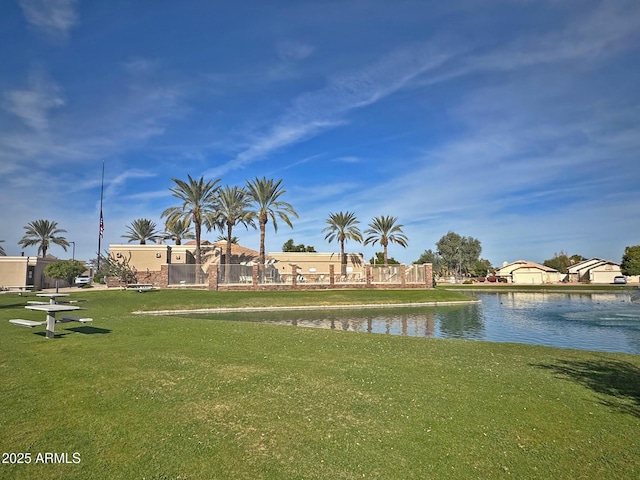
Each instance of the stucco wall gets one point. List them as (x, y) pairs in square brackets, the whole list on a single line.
[(308, 261)]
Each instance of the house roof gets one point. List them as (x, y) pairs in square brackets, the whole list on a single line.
[(520, 264), (237, 250), (590, 264)]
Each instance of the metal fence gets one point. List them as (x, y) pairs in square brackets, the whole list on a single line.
[(414, 274), (242, 274), (189, 274), (382, 274), (235, 274)]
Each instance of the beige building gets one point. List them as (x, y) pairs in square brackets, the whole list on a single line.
[(523, 272), (174, 266), (27, 271), (150, 257), (317, 264)]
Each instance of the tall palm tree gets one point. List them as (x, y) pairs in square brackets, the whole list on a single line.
[(233, 209), (265, 194), (384, 230), (198, 201), (2, 252), (342, 227), (43, 233), (223, 238), (142, 230), (178, 231)]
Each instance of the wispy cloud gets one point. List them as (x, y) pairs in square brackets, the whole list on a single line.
[(294, 51), (33, 104), (54, 17), (139, 108), (315, 112)]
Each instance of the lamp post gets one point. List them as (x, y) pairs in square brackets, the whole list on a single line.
[(73, 255)]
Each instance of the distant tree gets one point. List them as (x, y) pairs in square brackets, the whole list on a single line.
[(379, 260), (43, 233), (142, 230), (233, 209), (458, 253), (178, 230), (561, 261), (288, 246), (2, 252), (198, 201), (265, 196), (576, 259), (480, 268), (384, 230), (65, 270), (437, 264), (631, 261), (343, 226)]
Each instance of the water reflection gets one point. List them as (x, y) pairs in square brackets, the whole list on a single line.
[(417, 323), (590, 321)]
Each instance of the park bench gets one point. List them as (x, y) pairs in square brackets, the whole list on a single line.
[(71, 318), (26, 323)]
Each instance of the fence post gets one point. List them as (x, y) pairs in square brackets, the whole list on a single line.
[(332, 280), (294, 275), (254, 276), (164, 276), (428, 275), (367, 274), (403, 272), (213, 277)]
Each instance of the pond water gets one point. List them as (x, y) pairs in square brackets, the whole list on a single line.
[(595, 321)]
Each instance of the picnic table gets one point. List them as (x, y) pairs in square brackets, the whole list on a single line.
[(140, 287), (52, 296), (50, 310)]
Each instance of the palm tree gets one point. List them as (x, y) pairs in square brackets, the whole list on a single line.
[(142, 230), (223, 238), (233, 209), (198, 201), (264, 194), (2, 252), (384, 230), (178, 231), (43, 233), (342, 227)]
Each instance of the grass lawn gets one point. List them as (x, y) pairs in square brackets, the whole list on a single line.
[(161, 397)]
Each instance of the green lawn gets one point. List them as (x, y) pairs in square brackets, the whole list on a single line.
[(162, 397)]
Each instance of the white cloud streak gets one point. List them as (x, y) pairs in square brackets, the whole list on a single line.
[(33, 104), (315, 112), (54, 17)]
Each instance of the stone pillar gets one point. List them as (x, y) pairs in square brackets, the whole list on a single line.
[(332, 280), (212, 277), (428, 275), (254, 275), (367, 274), (294, 275), (163, 280), (403, 273)]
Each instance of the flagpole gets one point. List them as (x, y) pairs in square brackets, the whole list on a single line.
[(101, 229)]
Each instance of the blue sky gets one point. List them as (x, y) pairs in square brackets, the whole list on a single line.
[(514, 122)]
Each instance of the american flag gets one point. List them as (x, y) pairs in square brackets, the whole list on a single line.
[(101, 225)]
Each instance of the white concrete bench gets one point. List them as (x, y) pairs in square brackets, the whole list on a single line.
[(140, 287), (69, 318), (26, 323), (35, 302)]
